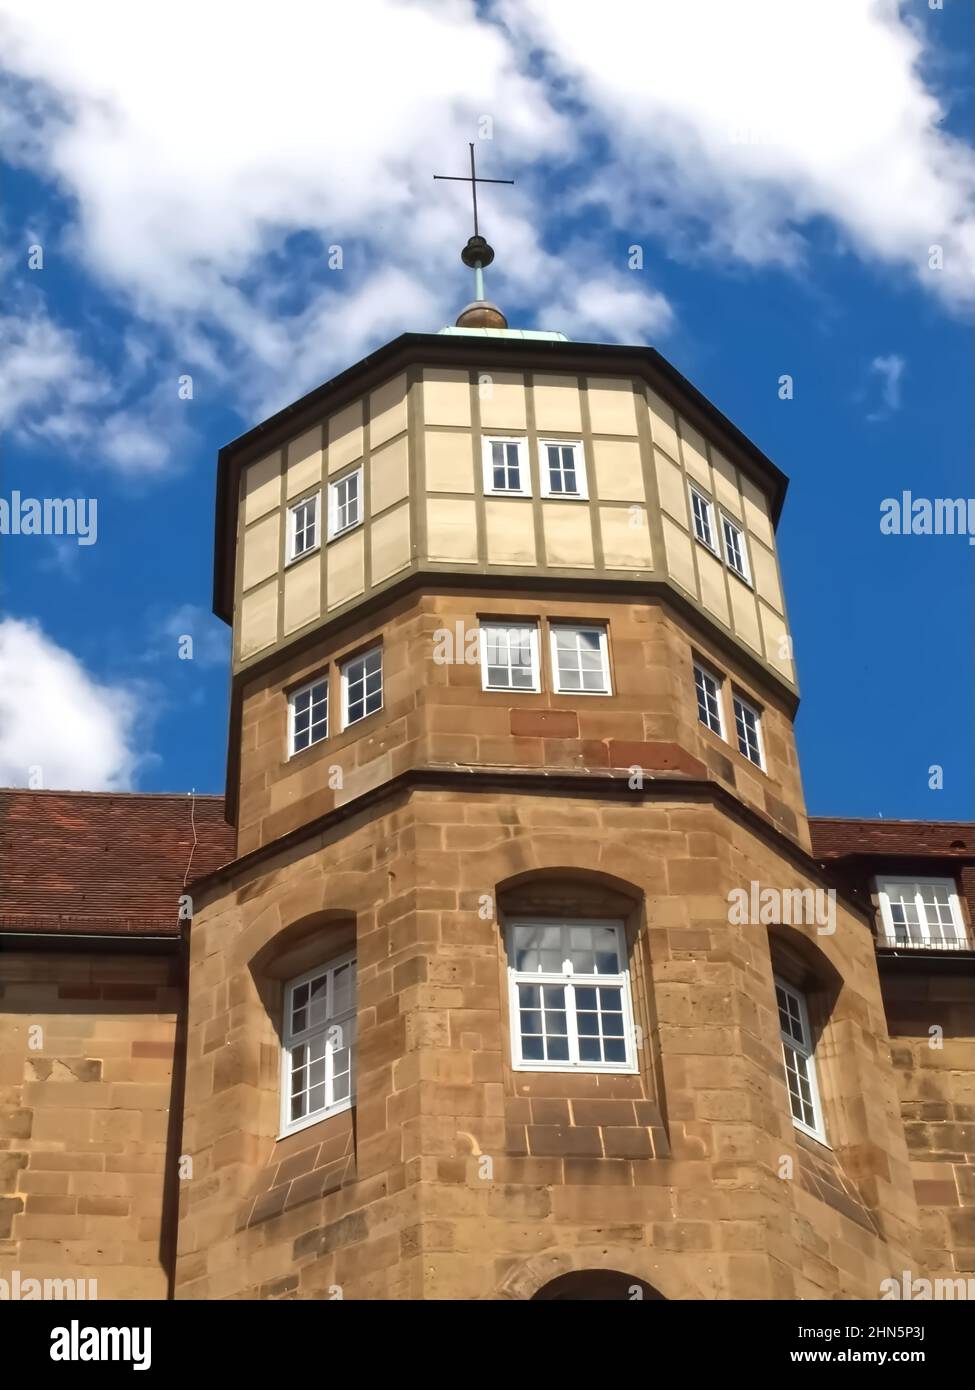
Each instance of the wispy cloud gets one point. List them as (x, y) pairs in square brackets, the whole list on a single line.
[(890, 371)]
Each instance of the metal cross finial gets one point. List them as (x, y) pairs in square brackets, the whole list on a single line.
[(477, 253), (473, 180)]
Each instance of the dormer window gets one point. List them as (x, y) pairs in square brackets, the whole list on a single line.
[(918, 913)]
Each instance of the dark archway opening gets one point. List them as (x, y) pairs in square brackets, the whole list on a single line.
[(602, 1285)]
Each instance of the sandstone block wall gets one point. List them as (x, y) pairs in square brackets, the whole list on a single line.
[(456, 1177), (436, 714), (86, 1063)]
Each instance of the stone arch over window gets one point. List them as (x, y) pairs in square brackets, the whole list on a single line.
[(830, 1163), (543, 1107), (302, 1163)]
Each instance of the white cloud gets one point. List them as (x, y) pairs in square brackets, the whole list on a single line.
[(195, 149), (309, 123), (55, 717), (730, 125), (609, 310)]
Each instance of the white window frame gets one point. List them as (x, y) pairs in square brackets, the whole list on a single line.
[(524, 467), (334, 529), (745, 573), (570, 981), (344, 679), (293, 555), (599, 628), (935, 943), (290, 1040), (302, 690), (532, 629), (736, 700), (710, 674), (807, 1052), (544, 477), (709, 512)]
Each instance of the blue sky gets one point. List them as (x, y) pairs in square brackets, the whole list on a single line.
[(785, 183)]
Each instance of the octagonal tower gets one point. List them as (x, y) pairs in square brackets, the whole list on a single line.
[(486, 999)]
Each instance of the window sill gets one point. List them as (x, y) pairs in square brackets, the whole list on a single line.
[(298, 1125), (593, 1069), (800, 1128), (602, 694), (297, 559), (346, 530)]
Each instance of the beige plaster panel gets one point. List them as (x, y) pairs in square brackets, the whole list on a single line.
[(387, 411), (389, 474), (557, 404), (510, 532), (446, 396), (451, 530), (304, 462), (502, 403), (345, 578), (262, 486), (261, 547), (618, 469), (612, 406), (625, 535), (567, 528), (345, 437), (390, 538)]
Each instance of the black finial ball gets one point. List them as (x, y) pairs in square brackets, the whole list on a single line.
[(477, 250)]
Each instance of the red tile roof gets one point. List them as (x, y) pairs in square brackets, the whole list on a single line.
[(105, 863), (834, 837), (110, 863)]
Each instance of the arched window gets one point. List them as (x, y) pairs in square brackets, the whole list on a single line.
[(318, 1044), (569, 995), (799, 1059)]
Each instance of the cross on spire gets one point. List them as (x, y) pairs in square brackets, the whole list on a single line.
[(473, 180), (477, 253)]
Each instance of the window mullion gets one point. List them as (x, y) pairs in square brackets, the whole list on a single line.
[(571, 1024)]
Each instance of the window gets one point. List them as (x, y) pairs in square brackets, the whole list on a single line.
[(569, 994), (506, 467), (734, 548), (708, 689), (308, 715), (344, 503), (799, 1061), (303, 527), (318, 1061), (562, 471), (509, 657), (922, 912), (748, 729), (703, 514), (362, 686), (580, 660)]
